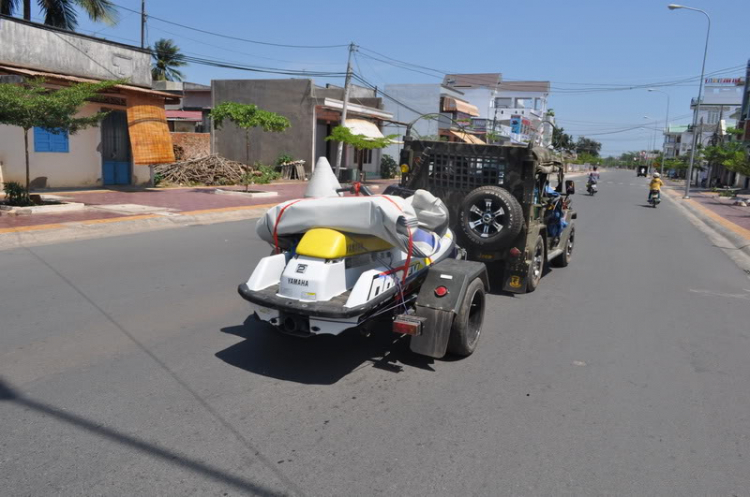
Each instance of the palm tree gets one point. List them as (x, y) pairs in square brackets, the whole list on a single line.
[(62, 13), (167, 58)]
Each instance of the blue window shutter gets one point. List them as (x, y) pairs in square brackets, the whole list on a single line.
[(44, 141), (41, 140)]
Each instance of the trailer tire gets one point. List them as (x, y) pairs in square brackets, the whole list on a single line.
[(485, 209), (467, 325)]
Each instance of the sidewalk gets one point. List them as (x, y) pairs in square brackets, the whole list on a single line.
[(109, 212), (732, 222)]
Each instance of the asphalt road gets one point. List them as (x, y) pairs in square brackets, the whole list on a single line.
[(127, 369)]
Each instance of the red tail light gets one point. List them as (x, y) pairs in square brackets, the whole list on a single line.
[(441, 291), (514, 252)]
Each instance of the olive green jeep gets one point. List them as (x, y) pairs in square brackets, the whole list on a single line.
[(509, 206)]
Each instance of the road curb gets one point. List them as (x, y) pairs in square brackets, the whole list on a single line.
[(11, 238), (727, 229)]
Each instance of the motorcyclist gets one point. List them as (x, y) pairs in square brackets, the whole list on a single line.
[(593, 178), (654, 187)]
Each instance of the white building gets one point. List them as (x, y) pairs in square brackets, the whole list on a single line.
[(520, 106), (719, 108)]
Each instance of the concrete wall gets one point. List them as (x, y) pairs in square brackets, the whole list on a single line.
[(80, 167), (64, 52), (291, 98), (424, 98)]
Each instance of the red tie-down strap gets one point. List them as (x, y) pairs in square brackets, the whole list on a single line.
[(405, 267), (276, 225)]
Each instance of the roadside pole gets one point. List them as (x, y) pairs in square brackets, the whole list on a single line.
[(347, 85), (143, 23)]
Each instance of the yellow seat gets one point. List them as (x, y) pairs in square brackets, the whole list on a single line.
[(325, 243)]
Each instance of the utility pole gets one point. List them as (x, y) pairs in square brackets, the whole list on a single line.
[(143, 23), (347, 85)]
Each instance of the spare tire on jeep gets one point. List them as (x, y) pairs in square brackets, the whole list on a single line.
[(490, 217)]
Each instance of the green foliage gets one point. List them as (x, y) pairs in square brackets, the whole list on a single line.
[(260, 175), (588, 146), (731, 155), (586, 158), (158, 178), (62, 13), (16, 194), (388, 167), (31, 105), (284, 159), (561, 141), (248, 116), (361, 142), (166, 58)]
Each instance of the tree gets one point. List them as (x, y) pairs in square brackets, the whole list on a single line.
[(248, 116), (62, 13), (587, 145), (34, 105), (731, 155), (359, 142), (167, 58), (562, 141)]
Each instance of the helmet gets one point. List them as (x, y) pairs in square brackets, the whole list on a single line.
[(657, 175)]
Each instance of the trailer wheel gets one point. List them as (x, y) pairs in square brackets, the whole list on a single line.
[(490, 217), (467, 325), (536, 268)]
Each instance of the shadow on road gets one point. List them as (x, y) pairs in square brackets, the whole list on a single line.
[(318, 360), (8, 394)]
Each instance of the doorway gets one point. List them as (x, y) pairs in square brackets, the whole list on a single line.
[(116, 158)]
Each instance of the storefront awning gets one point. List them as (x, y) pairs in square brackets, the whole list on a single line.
[(466, 137), (455, 105), (352, 108), (364, 128)]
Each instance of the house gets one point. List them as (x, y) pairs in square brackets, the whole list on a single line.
[(516, 111), (430, 111), (313, 112), (133, 136)]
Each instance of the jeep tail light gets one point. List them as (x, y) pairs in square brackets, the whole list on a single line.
[(514, 252), (441, 291)]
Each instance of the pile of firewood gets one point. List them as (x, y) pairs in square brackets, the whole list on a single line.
[(209, 170)]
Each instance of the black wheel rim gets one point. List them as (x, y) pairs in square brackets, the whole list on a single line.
[(537, 265), (486, 217)]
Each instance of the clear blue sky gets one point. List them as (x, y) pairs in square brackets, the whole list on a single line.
[(567, 42)]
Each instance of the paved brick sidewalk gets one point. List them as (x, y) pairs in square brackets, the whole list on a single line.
[(115, 205)]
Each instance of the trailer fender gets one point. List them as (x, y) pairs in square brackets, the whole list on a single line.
[(439, 308)]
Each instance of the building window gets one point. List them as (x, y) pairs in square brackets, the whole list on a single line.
[(366, 156), (46, 141), (503, 103), (524, 103), (713, 116)]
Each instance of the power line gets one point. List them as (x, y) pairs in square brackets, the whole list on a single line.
[(229, 37)]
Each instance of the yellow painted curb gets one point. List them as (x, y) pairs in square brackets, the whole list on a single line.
[(228, 209), (118, 219), (739, 230), (22, 229)]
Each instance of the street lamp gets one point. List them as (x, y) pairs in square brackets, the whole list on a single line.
[(673, 6), (666, 133)]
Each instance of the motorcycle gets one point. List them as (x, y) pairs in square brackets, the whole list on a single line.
[(592, 188), (654, 197)]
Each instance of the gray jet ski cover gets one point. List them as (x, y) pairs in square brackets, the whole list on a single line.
[(385, 217)]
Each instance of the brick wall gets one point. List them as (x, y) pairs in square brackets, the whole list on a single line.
[(193, 144)]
